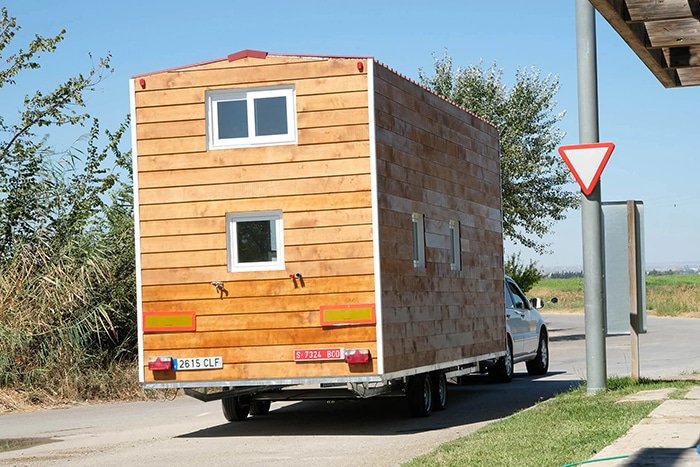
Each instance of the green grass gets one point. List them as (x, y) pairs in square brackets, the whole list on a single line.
[(571, 427), (668, 295)]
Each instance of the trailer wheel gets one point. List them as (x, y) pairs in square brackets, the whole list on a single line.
[(420, 395), (260, 407), (236, 408), (502, 371), (439, 381)]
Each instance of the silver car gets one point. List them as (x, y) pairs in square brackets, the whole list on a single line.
[(526, 335)]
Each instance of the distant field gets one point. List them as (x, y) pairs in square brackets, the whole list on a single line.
[(671, 295)]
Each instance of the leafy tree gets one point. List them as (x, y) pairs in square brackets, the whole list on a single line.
[(37, 198), (67, 292), (532, 175), (526, 276)]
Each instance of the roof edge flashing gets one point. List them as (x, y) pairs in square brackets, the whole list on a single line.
[(247, 53)]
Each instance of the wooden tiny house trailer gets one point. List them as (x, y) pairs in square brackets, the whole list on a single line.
[(311, 219)]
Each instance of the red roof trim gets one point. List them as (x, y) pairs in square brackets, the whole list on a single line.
[(247, 53), (177, 68), (351, 57)]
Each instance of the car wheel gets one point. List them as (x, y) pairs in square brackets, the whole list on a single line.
[(540, 364), (439, 390), (502, 371), (420, 395)]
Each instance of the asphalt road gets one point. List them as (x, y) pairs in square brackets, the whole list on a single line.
[(374, 432)]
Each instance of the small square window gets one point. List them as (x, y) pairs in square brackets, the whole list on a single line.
[(455, 246), (255, 241), (418, 240), (250, 117)]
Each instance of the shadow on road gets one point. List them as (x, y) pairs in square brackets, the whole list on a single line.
[(478, 401)]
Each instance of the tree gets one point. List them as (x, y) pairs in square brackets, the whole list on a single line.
[(532, 175), (67, 291), (526, 276), (44, 191)]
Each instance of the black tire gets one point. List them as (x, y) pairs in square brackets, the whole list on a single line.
[(420, 395), (236, 408), (260, 407), (540, 364), (502, 371), (439, 390)]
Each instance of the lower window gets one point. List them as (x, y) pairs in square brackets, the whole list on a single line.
[(255, 241)]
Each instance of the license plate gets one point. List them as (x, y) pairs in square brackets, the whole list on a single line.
[(305, 355), (198, 363)]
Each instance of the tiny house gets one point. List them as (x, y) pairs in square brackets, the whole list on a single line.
[(313, 220)]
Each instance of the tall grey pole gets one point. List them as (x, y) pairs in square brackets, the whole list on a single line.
[(593, 271)]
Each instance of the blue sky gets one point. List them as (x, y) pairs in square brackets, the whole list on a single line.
[(653, 128)]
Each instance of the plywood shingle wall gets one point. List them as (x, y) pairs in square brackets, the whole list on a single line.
[(435, 159)]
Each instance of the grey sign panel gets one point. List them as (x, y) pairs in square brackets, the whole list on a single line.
[(617, 281)]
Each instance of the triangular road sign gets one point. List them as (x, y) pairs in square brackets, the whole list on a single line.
[(586, 162)]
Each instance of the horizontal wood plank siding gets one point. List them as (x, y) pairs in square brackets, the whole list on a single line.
[(322, 186), (440, 161)]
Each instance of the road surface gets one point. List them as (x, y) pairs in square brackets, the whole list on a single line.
[(375, 432)]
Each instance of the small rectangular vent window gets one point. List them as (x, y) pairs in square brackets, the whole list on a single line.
[(418, 240), (455, 246)]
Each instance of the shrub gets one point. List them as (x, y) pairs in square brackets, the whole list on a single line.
[(525, 275)]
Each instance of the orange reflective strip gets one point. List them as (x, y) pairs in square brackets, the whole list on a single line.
[(169, 321), (338, 315)]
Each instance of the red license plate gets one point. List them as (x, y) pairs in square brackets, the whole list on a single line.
[(305, 355)]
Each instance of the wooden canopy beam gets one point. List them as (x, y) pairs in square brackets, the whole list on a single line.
[(665, 35)]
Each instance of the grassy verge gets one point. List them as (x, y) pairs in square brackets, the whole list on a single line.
[(571, 427), (669, 295)]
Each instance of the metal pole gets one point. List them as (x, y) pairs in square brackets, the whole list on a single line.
[(593, 271)]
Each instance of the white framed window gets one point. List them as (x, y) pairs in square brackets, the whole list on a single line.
[(255, 241), (455, 246), (251, 117), (418, 240)]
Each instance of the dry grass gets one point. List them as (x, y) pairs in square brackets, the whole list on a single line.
[(118, 383), (59, 335)]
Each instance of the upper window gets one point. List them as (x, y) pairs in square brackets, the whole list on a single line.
[(251, 117), (255, 241)]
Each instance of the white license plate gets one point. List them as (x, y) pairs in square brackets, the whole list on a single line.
[(198, 363)]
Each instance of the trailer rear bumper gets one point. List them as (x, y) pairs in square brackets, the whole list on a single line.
[(451, 369)]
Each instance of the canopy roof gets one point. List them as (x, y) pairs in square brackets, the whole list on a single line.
[(665, 34)]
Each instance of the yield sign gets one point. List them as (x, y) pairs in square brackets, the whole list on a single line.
[(586, 162)]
